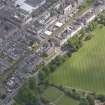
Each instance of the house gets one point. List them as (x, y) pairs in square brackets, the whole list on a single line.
[(50, 51), (70, 7)]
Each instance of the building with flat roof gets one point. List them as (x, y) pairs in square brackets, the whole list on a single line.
[(29, 5)]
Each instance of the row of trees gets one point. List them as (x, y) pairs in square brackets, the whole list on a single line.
[(73, 93), (101, 98), (84, 98), (51, 67)]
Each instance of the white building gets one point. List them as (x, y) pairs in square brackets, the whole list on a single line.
[(68, 9)]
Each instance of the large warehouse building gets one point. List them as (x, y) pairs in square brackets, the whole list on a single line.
[(29, 5)]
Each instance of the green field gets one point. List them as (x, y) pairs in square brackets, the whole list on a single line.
[(51, 94), (57, 97), (64, 100), (85, 70)]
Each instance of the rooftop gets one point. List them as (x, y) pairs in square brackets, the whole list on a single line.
[(29, 5), (34, 3)]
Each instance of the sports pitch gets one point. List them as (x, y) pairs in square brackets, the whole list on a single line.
[(85, 70)]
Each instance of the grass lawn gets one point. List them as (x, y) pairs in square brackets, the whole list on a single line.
[(86, 68), (51, 94), (66, 101), (57, 97)]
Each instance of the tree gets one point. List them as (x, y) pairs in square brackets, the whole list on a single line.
[(91, 99), (75, 94), (52, 67), (41, 76), (101, 19), (84, 101), (32, 84), (88, 36), (59, 60), (46, 69), (75, 42), (28, 94), (82, 34), (92, 26)]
